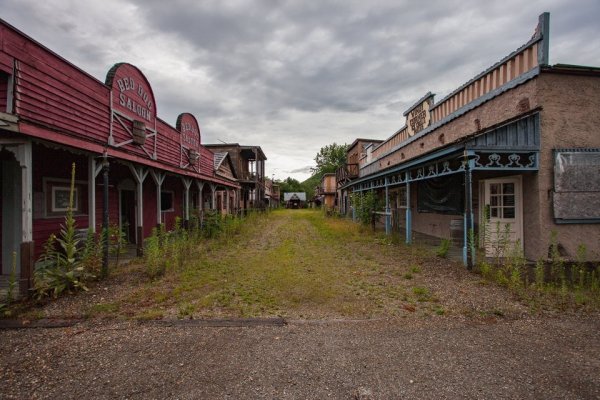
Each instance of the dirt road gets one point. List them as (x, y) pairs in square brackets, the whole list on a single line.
[(454, 337)]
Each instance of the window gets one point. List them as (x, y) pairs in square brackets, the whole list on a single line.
[(60, 199), (576, 196), (54, 200), (166, 201), (502, 200)]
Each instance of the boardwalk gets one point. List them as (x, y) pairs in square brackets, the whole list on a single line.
[(365, 318)]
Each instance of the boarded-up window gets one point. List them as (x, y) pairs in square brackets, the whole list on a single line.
[(577, 186), (443, 195)]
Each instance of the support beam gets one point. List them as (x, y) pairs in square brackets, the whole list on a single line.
[(19, 190), (354, 201), (408, 212), (139, 173), (227, 209), (187, 182), (468, 250), (213, 200), (158, 178), (105, 221), (25, 159), (388, 218), (94, 169), (200, 186)]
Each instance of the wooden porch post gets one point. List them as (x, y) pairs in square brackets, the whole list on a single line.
[(213, 189), (158, 178), (27, 244), (387, 208), (187, 182), (200, 186), (139, 173), (408, 211)]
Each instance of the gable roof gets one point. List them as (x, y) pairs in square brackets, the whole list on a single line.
[(294, 196)]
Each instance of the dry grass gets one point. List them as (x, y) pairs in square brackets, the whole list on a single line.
[(300, 265)]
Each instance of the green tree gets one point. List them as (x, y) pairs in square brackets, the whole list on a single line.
[(290, 185), (329, 159)]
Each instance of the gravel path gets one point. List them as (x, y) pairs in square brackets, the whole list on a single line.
[(439, 357), (466, 338)]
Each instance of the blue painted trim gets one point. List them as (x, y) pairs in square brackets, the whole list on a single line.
[(465, 240), (388, 220), (404, 166), (408, 214), (506, 169)]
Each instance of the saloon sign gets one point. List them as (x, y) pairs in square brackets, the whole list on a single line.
[(190, 131), (190, 139), (132, 95), (418, 117)]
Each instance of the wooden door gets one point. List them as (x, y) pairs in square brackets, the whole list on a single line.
[(503, 216)]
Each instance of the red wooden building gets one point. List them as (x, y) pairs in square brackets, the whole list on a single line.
[(53, 114)]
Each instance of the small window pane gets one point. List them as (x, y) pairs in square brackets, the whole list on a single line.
[(494, 200), (494, 212), (494, 188), (509, 201), (508, 188), (509, 212)]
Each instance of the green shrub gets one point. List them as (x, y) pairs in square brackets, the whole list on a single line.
[(155, 260), (443, 248), (61, 267), (364, 205)]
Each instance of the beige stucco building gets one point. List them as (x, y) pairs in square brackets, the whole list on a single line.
[(512, 155)]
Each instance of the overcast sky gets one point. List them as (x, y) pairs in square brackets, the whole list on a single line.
[(294, 76)]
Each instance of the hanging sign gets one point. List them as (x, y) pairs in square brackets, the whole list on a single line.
[(187, 125), (132, 94), (190, 131), (418, 117)]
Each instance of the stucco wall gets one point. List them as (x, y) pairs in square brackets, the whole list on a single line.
[(570, 119), (497, 111)]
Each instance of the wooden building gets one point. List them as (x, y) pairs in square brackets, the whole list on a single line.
[(327, 191), (272, 193), (513, 152), (294, 199), (53, 114), (249, 166)]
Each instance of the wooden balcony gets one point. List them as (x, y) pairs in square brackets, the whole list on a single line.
[(346, 173)]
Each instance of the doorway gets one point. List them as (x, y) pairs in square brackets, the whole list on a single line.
[(10, 213), (502, 213), (127, 222)]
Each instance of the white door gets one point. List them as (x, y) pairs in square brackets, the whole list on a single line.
[(503, 216)]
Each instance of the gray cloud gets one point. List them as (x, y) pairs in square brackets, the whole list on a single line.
[(295, 76)]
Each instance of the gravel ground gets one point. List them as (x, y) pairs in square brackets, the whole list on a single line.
[(488, 344), (541, 357)]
